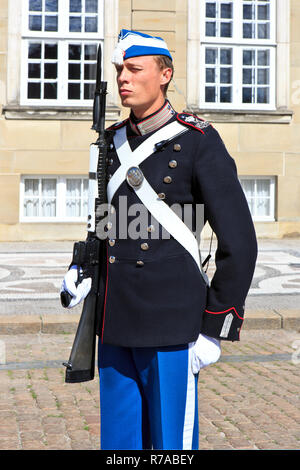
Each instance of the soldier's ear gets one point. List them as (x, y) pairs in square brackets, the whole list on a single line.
[(166, 75)]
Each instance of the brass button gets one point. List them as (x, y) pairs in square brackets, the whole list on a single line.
[(167, 179), (177, 147), (151, 228), (162, 196), (110, 161), (112, 259), (145, 246), (140, 263), (111, 242), (172, 164), (109, 225)]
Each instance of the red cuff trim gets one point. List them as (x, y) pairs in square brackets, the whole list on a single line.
[(224, 311)]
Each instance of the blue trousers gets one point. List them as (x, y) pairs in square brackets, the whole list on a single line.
[(148, 398)]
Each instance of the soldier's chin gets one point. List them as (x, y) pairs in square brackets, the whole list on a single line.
[(126, 101)]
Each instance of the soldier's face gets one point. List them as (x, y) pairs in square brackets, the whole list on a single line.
[(141, 83)]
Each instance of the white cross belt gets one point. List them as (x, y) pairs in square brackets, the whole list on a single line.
[(156, 206)]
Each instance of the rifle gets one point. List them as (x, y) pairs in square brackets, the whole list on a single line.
[(87, 254)]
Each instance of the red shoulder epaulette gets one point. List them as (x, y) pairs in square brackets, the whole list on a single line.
[(117, 125), (193, 121)]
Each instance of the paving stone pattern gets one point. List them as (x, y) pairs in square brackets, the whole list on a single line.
[(243, 404)]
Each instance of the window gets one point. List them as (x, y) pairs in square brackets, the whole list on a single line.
[(59, 51), (237, 54), (51, 198), (260, 194)]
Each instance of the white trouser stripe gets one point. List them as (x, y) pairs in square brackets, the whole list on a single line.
[(189, 417)]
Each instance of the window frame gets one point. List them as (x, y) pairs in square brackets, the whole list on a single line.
[(61, 199), (63, 38), (237, 43), (281, 113), (272, 179)]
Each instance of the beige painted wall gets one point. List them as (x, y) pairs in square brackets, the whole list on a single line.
[(62, 146)]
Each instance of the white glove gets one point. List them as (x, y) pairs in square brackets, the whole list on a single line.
[(205, 351), (78, 293)]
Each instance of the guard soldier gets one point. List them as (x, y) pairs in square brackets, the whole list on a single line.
[(160, 321)]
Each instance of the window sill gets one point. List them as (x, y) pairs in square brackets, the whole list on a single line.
[(279, 116), (47, 220), (58, 113)]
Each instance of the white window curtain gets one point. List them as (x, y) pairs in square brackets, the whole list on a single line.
[(48, 198), (76, 197), (259, 193), (59, 198)]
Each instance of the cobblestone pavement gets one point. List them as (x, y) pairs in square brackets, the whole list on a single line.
[(248, 400)]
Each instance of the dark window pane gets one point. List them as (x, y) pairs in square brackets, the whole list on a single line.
[(50, 51), (226, 56), (51, 5), (263, 76), (90, 51), (226, 30), (34, 71), (225, 94), (210, 75), (75, 24), (34, 50), (210, 56), (210, 10), (247, 30), (225, 75), (34, 90), (51, 23), (89, 89), (35, 23), (210, 29), (263, 12), (75, 6), (74, 51), (74, 71), (91, 24), (226, 10), (90, 71), (247, 76), (247, 12), (50, 70), (210, 94), (50, 91), (263, 31), (262, 95), (247, 95), (91, 6), (263, 57), (248, 57), (35, 5), (74, 91)]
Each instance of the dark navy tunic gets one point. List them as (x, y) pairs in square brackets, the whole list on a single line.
[(151, 290)]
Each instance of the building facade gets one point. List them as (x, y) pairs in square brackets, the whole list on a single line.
[(237, 65)]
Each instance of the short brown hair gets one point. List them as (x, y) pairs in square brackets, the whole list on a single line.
[(164, 62)]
